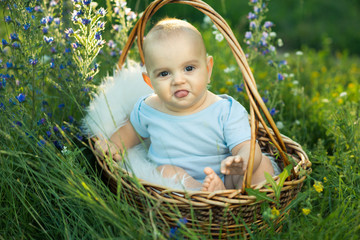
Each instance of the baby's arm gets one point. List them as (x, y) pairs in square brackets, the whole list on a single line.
[(124, 138), (238, 162)]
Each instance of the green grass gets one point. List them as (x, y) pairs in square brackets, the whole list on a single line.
[(47, 193)]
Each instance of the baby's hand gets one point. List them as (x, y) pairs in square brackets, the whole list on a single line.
[(104, 147), (233, 165)]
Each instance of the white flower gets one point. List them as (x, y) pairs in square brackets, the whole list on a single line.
[(325, 100), (295, 82), (229, 69), (297, 122), (207, 20), (286, 55), (279, 125), (299, 53), (293, 75), (273, 34), (280, 42), (219, 37), (343, 94)]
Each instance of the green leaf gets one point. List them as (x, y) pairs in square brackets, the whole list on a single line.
[(285, 174), (259, 195), (270, 180)]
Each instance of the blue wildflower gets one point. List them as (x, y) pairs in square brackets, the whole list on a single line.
[(101, 24), (14, 36), (251, 16), (26, 26), (268, 24), (101, 12), (45, 30), (86, 2), (182, 221), (16, 45), (52, 64), (41, 143), (280, 77), (44, 20), (248, 35), (9, 64), (37, 9), (71, 119), (172, 232), (67, 50), (75, 45), (21, 97), (48, 39), (29, 9), (239, 88), (282, 62), (48, 133), (69, 31), (50, 19), (57, 21), (7, 19), (86, 21), (265, 100), (45, 103), (101, 42), (53, 3), (61, 67), (4, 42), (252, 25), (33, 61), (53, 50), (56, 129), (272, 111), (62, 105), (98, 35), (2, 106), (41, 122), (79, 137)]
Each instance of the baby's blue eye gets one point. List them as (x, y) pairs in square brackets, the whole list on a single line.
[(163, 74), (189, 68)]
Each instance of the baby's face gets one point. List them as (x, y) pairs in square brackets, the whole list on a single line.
[(179, 71)]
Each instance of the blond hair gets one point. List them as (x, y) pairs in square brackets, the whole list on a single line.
[(171, 26)]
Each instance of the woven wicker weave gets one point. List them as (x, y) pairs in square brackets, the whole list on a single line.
[(221, 213)]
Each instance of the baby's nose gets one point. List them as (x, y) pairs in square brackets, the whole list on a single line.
[(178, 79)]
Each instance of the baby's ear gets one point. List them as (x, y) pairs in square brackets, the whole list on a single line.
[(147, 79)]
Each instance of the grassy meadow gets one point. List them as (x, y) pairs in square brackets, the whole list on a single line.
[(54, 54)]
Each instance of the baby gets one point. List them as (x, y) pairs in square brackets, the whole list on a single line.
[(195, 135)]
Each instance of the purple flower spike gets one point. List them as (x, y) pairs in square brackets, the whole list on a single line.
[(86, 21), (268, 24), (252, 16)]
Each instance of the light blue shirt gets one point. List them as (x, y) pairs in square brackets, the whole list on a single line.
[(195, 141)]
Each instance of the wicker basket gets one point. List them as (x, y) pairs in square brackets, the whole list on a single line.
[(222, 213)]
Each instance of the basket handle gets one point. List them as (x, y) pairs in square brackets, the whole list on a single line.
[(256, 102)]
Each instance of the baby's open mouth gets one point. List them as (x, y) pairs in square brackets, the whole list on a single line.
[(181, 93)]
